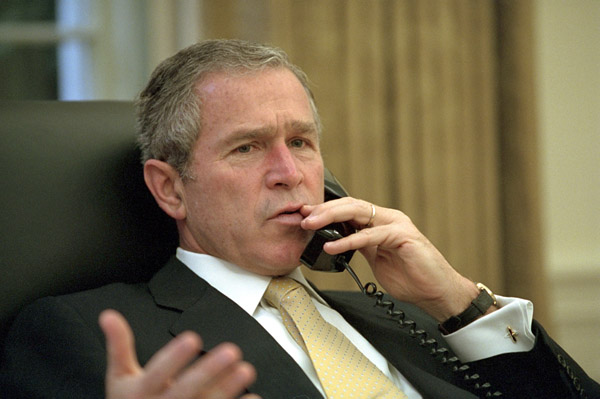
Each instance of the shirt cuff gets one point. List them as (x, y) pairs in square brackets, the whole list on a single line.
[(507, 330)]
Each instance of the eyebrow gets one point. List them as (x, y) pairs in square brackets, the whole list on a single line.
[(297, 127), (300, 127)]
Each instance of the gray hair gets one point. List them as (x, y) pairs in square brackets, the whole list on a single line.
[(169, 113)]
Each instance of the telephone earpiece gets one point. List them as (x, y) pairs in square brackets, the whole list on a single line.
[(313, 256)]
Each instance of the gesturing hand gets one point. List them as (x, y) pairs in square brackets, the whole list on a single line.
[(403, 260), (168, 374)]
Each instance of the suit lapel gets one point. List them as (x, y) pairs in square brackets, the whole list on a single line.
[(217, 319)]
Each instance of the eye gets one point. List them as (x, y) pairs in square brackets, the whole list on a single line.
[(244, 149), (297, 143)]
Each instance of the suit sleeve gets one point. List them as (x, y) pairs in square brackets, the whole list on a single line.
[(546, 371), (52, 352)]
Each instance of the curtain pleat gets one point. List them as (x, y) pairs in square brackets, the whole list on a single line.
[(523, 270)]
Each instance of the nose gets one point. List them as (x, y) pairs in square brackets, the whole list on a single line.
[(282, 170)]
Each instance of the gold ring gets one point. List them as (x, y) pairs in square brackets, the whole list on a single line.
[(372, 216)]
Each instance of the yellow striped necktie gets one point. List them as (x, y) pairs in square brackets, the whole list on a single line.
[(343, 370)]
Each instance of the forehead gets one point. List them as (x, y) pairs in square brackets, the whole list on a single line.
[(237, 91), (265, 100)]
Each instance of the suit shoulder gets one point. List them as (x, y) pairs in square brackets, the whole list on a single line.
[(86, 305), (360, 300), (111, 295), (359, 303), (108, 293)]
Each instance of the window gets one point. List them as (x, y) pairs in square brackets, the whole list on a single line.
[(28, 67), (72, 49)]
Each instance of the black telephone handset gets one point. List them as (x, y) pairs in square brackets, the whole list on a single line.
[(313, 256)]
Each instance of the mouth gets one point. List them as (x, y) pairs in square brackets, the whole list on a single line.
[(289, 215)]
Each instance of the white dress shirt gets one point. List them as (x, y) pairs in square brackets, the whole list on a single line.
[(470, 343)]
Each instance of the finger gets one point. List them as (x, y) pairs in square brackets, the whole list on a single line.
[(387, 236), (364, 238), (166, 364), (233, 382), (121, 357), (347, 209), (219, 373)]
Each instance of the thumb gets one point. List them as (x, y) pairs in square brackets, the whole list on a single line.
[(120, 348)]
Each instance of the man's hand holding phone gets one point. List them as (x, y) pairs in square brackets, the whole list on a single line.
[(404, 261)]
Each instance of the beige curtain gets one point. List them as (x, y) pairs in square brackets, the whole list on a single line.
[(412, 94)]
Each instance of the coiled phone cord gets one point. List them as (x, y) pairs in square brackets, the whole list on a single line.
[(481, 389)]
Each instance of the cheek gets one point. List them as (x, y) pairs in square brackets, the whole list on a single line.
[(317, 188), (202, 201), (237, 201)]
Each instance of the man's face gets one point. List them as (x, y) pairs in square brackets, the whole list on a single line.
[(257, 161)]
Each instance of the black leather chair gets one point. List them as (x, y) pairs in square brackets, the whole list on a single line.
[(75, 211)]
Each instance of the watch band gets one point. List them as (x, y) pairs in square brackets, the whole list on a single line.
[(477, 308)]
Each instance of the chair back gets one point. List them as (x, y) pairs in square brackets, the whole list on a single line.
[(75, 210)]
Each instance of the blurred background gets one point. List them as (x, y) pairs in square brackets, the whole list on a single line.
[(479, 119)]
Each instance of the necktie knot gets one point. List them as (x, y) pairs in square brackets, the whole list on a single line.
[(279, 291), (292, 301)]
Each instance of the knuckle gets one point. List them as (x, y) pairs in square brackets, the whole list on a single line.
[(367, 232)]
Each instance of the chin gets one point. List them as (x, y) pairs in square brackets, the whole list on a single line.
[(283, 262), (287, 261), (270, 269), (282, 256), (281, 271)]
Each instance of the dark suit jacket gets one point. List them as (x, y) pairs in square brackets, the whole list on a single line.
[(56, 349)]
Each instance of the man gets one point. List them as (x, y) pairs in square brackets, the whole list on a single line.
[(230, 138)]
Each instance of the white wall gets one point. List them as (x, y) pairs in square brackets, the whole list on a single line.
[(568, 82), (568, 66)]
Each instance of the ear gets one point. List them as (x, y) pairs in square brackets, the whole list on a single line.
[(166, 186)]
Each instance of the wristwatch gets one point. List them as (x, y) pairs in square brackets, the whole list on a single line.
[(478, 307)]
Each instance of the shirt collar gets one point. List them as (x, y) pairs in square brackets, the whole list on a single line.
[(243, 287)]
